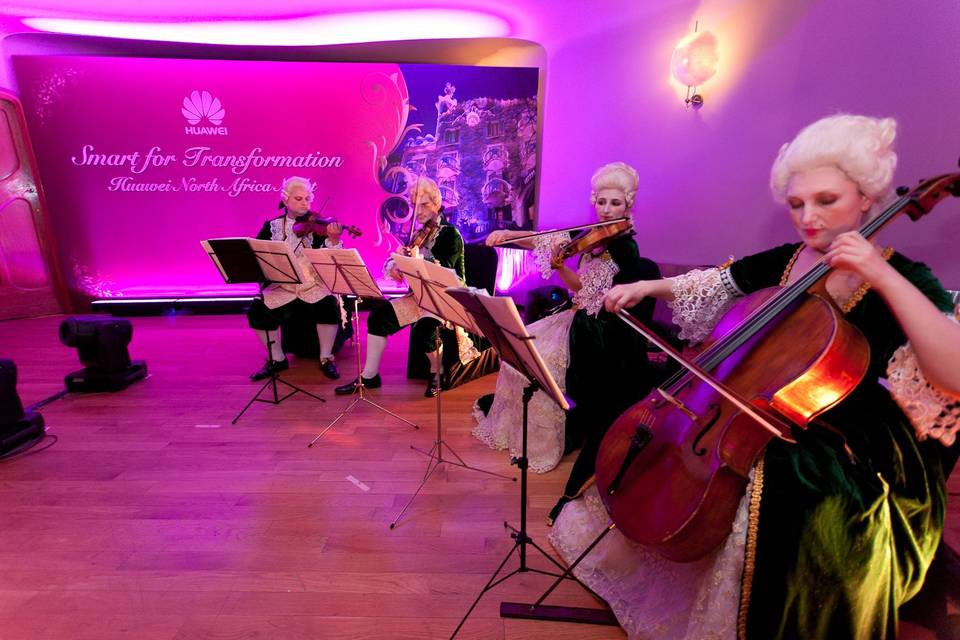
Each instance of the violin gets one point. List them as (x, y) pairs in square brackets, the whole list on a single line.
[(311, 222), (423, 234), (537, 234), (673, 468), (591, 240)]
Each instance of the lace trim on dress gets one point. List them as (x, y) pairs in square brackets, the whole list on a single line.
[(702, 598), (933, 412), (501, 427), (699, 299), (596, 277), (543, 247)]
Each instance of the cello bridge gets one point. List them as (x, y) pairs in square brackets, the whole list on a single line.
[(678, 404)]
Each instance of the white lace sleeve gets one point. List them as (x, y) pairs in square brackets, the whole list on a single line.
[(543, 247), (699, 299), (933, 412)]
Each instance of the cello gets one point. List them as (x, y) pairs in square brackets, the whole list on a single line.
[(672, 470)]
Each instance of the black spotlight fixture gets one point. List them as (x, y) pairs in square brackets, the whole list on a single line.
[(17, 427), (101, 343)]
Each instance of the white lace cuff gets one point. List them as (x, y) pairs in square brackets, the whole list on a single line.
[(543, 247), (329, 245), (596, 278), (933, 412), (700, 297)]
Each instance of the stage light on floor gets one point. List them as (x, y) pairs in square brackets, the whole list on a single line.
[(101, 343), (17, 427)]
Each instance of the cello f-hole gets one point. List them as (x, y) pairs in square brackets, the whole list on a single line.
[(714, 411)]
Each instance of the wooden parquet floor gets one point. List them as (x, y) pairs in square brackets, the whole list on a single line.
[(153, 518)]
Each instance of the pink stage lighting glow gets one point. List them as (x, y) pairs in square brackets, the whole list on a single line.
[(513, 266), (333, 28)]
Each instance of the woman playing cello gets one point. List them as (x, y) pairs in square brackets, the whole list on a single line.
[(836, 531)]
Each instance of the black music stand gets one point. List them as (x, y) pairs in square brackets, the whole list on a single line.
[(429, 282), (500, 323), (265, 262), (343, 271)]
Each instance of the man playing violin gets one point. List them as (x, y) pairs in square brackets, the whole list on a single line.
[(282, 301), (439, 242), (836, 530)]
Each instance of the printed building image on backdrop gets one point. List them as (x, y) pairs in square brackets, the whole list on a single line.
[(142, 159)]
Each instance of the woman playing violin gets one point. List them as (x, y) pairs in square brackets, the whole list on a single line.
[(574, 343), (281, 302), (836, 531)]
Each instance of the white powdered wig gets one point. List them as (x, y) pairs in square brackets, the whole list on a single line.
[(291, 183), (860, 146), (426, 186), (616, 175)]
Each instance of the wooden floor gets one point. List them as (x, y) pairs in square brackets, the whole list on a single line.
[(152, 517)]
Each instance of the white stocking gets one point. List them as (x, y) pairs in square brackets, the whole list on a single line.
[(436, 360), (375, 348), (276, 351), (327, 335)]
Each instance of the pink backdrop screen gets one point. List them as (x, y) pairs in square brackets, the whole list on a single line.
[(141, 159)]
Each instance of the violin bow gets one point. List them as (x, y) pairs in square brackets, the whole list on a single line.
[(696, 370), (537, 234)]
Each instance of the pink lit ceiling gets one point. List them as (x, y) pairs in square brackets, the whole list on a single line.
[(313, 22)]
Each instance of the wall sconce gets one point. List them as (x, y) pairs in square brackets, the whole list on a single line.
[(694, 61)]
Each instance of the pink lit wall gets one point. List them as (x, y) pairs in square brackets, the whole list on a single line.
[(704, 175)]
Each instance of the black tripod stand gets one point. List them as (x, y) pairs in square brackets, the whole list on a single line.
[(500, 323), (272, 382), (266, 262), (435, 454), (537, 610), (343, 271)]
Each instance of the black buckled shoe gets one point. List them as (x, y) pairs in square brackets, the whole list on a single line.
[(269, 368), (351, 387), (329, 369)]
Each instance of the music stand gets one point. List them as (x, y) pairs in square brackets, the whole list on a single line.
[(265, 262), (500, 322), (343, 271), (429, 282)]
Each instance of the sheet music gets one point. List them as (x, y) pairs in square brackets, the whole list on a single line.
[(429, 282), (216, 260), (343, 271), (498, 318), (277, 257), (275, 261)]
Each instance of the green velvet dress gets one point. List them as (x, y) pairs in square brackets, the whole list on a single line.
[(840, 540)]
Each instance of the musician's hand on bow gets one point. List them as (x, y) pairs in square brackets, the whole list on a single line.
[(413, 252), (334, 231), (623, 296), (499, 236), (391, 271), (852, 252)]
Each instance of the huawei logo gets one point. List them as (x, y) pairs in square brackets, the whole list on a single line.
[(199, 106)]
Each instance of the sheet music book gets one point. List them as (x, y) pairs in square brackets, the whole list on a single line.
[(276, 260), (343, 271), (429, 282), (500, 322)]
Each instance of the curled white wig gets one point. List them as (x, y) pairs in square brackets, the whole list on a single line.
[(860, 146), (291, 183), (616, 175), (426, 186)]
